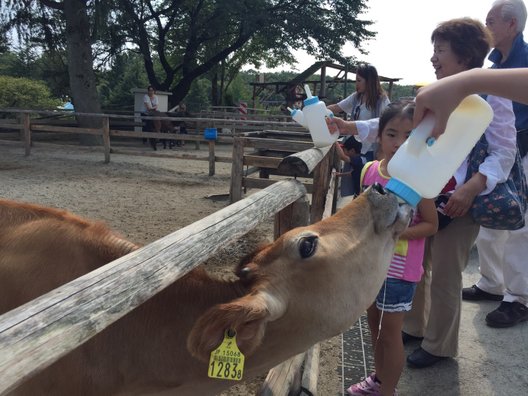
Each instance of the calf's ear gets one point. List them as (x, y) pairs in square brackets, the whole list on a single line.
[(248, 316)]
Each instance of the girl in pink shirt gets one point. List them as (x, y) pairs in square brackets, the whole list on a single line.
[(385, 315)]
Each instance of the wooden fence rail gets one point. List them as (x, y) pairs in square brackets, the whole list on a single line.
[(26, 125), (38, 333)]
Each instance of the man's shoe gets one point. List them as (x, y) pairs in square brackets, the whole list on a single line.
[(420, 358), (473, 293), (406, 337), (508, 314)]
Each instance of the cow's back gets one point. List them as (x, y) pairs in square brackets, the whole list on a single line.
[(43, 248), (40, 250)]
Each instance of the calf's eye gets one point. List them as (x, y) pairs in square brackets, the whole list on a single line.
[(308, 246)]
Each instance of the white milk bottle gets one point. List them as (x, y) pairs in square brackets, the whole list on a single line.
[(421, 167), (313, 116)]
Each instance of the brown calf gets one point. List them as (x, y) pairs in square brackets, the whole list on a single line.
[(310, 284)]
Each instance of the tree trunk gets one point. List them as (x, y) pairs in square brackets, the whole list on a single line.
[(214, 88), (80, 68)]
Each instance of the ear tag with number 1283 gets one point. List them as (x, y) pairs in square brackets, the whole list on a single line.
[(227, 362)]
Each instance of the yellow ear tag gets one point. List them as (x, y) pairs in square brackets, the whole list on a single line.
[(227, 362)]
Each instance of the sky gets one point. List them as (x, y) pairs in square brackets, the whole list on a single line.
[(402, 47)]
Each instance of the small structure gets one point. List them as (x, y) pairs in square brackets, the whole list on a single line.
[(139, 93)]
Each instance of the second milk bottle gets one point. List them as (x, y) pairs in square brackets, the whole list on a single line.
[(420, 170)]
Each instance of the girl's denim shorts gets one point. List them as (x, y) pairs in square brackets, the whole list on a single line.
[(396, 295)]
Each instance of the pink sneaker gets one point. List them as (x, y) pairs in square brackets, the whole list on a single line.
[(366, 387)]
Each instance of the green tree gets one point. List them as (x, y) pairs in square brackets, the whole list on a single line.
[(215, 37), (19, 92), (47, 22), (115, 84), (11, 65), (184, 40), (199, 96)]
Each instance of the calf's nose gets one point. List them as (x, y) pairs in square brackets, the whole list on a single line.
[(379, 188)]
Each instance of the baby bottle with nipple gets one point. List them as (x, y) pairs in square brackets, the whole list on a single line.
[(313, 116), (422, 166)]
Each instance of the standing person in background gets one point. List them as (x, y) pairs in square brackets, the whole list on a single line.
[(150, 104), (502, 254), (350, 154), (367, 102), (150, 108)]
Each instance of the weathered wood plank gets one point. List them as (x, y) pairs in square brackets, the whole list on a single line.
[(49, 128), (331, 198), (237, 170), (211, 145), (38, 333), (166, 154), (106, 139), (284, 379), (295, 215), (26, 131), (311, 370), (321, 179), (145, 134), (11, 126), (303, 162), (262, 161), (251, 182), (292, 146)]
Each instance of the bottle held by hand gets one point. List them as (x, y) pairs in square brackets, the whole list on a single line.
[(313, 117), (421, 167)]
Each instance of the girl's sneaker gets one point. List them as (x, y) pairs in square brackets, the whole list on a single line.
[(368, 386)]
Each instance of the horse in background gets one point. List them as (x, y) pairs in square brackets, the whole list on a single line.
[(159, 126)]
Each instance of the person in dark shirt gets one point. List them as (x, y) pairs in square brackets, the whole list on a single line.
[(350, 153)]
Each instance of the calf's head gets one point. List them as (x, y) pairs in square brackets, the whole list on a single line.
[(311, 283)]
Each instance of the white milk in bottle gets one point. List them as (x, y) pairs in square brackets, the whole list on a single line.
[(313, 116), (420, 170)]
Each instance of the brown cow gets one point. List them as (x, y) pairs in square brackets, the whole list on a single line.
[(309, 285)]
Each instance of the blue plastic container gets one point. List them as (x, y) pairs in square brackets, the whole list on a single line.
[(210, 133)]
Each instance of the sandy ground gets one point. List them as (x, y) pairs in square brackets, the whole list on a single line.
[(143, 198)]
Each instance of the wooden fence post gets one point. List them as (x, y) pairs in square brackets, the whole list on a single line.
[(235, 191), (26, 132), (284, 379), (211, 144), (106, 139), (322, 173), (311, 370), (295, 215)]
